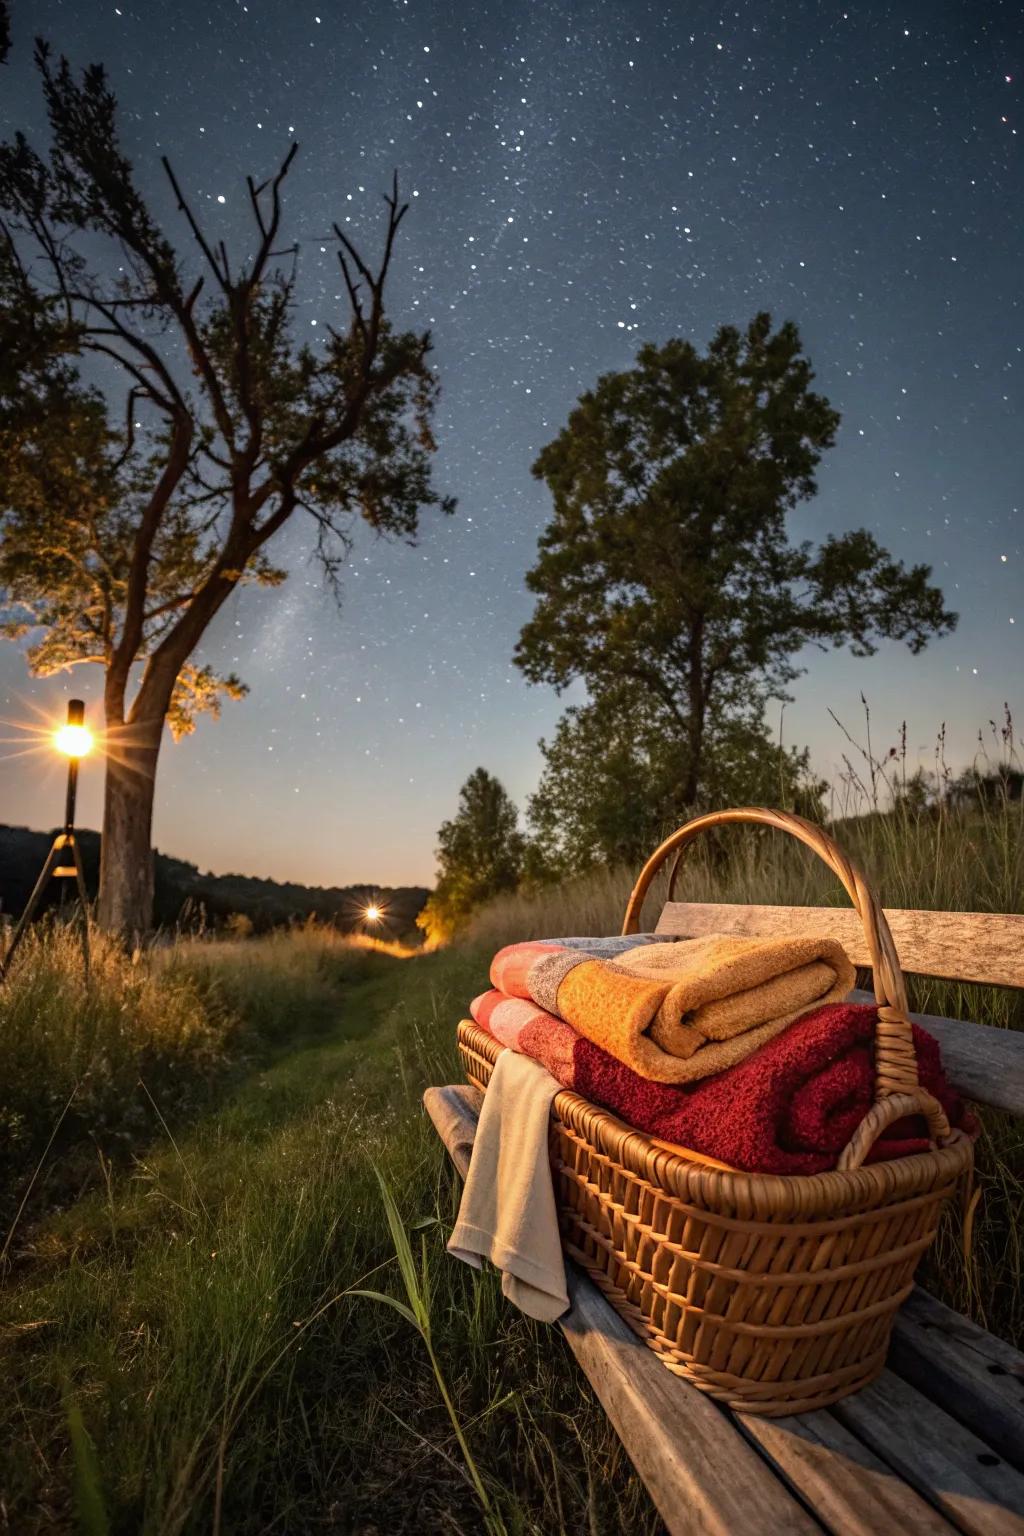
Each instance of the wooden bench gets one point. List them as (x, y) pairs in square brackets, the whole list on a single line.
[(936, 1445)]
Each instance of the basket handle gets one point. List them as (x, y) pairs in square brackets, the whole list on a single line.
[(895, 1062)]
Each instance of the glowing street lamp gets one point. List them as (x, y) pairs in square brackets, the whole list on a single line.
[(74, 739)]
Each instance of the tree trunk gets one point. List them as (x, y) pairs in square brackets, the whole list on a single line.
[(697, 702), (692, 774), (126, 856)]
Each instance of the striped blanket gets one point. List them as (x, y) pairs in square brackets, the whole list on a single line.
[(677, 1012)]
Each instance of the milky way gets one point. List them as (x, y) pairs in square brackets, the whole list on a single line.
[(582, 178)]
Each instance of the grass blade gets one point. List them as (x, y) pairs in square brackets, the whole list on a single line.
[(90, 1507), (389, 1301)]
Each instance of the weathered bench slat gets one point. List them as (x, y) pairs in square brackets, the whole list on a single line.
[(986, 947), (978, 1492), (454, 1111), (849, 1488), (986, 1064), (703, 1477), (975, 1377)]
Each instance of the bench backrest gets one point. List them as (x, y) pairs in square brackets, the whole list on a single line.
[(986, 947), (986, 1064)]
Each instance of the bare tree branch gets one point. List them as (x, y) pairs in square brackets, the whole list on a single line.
[(146, 386), (184, 207)]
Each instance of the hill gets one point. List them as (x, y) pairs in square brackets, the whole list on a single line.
[(185, 897)]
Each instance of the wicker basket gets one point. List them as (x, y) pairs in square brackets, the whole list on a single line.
[(775, 1295)]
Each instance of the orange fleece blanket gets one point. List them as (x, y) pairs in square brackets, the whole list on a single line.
[(676, 1013)]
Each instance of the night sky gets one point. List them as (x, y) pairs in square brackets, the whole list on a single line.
[(583, 178)]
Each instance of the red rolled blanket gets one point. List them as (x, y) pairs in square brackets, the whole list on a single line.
[(790, 1108)]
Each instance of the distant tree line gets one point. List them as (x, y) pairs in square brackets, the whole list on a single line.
[(186, 899)]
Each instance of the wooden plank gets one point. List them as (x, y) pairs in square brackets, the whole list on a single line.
[(849, 1488), (701, 1474), (976, 1490), (454, 1111), (986, 1064), (986, 947), (976, 1377)]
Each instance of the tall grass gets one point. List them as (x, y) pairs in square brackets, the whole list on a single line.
[(416, 1309), (187, 1334), (82, 1060), (72, 1052), (969, 861), (926, 839)]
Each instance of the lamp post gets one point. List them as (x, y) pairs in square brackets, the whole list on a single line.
[(75, 740)]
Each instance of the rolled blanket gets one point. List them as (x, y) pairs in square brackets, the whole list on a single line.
[(790, 1109), (722, 985), (677, 1013)]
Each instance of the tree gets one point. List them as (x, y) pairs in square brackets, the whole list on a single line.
[(136, 496), (480, 855), (611, 789), (667, 568)]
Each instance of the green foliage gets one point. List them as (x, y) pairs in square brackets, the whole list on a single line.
[(613, 782), (89, 1502), (666, 572), (480, 854)]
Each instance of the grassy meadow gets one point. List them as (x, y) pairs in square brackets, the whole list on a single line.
[(190, 1205), (182, 1353)]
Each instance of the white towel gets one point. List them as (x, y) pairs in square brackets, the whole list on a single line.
[(508, 1211)]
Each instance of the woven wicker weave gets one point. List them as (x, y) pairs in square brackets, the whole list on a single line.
[(776, 1295)]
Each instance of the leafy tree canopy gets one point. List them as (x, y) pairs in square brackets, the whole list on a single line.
[(480, 855), (611, 788), (667, 567)]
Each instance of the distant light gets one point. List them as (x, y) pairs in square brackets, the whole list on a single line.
[(372, 914), (73, 740)]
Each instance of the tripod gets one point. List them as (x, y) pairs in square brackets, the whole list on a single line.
[(64, 860)]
